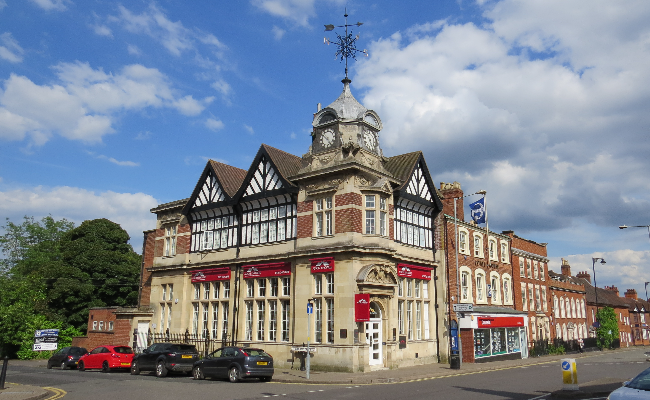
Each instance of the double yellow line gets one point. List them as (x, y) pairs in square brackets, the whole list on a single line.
[(58, 393)]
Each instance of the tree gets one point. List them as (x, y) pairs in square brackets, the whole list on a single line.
[(98, 268), (22, 302), (19, 239), (608, 330)]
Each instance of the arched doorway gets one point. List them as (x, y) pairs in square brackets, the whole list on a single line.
[(374, 335)]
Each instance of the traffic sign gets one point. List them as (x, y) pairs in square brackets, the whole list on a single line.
[(45, 346), (310, 308), (46, 332), (463, 307)]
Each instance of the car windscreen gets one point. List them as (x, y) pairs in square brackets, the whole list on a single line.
[(183, 348), (123, 350), (78, 351), (641, 381), (257, 352)]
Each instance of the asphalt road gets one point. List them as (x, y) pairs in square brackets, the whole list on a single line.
[(508, 383)]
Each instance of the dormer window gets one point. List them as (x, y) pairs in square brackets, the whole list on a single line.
[(325, 118)]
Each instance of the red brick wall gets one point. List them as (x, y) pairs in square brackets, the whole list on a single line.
[(305, 222), (391, 223), (448, 203), (120, 336), (348, 199), (348, 220), (467, 343), (183, 242), (148, 256)]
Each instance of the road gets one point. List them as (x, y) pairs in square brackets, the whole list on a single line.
[(529, 382)]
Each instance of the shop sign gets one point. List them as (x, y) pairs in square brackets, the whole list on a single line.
[(413, 271), (267, 270), (209, 275), (320, 265), (362, 307), (500, 322)]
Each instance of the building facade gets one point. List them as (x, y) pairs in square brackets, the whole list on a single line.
[(569, 305), (343, 228)]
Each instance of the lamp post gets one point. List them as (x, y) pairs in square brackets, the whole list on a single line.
[(593, 266)]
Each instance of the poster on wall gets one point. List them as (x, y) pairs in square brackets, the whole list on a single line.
[(362, 307)]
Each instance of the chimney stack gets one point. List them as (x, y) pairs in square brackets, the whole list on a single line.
[(584, 275), (449, 191), (631, 294), (613, 289), (566, 268)]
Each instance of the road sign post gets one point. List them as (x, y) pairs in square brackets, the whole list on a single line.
[(569, 374), (310, 310)]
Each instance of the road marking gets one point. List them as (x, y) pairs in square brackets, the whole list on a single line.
[(58, 393)]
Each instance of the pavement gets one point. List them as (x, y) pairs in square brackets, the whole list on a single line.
[(379, 376)]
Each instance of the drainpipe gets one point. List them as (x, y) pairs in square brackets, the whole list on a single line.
[(435, 288)]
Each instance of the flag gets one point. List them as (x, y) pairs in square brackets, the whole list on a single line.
[(478, 211)]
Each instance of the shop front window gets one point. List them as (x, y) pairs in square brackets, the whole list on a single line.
[(496, 341)]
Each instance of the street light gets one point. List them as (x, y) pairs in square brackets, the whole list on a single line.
[(593, 266)]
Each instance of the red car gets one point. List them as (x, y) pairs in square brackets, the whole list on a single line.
[(106, 358)]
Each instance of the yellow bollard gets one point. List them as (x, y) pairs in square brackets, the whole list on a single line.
[(569, 374)]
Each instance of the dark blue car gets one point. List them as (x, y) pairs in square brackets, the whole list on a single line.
[(234, 364)]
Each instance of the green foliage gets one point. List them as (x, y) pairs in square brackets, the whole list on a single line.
[(608, 330), (53, 273), (555, 350)]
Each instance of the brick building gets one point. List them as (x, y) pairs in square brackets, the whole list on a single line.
[(639, 312), (480, 272), (568, 302), (343, 227)]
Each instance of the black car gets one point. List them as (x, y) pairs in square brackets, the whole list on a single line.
[(235, 363), (66, 358), (165, 357)]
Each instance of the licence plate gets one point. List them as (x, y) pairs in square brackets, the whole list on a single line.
[(126, 363), (187, 356), (262, 363)]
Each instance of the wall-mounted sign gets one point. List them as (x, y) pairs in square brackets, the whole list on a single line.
[(267, 270), (500, 322), (319, 265), (414, 271), (463, 307), (212, 274), (362, 307)]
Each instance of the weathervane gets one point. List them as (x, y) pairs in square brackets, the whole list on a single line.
[(346, 44)]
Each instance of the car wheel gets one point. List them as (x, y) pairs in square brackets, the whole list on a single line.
[(81, 366), (265, 379), (161, 370), (49, 366), (135, 368), (233, 374), (105, 367), (197, 373), (63, 366)]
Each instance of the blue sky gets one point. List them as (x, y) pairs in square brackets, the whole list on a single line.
[(108, 109)]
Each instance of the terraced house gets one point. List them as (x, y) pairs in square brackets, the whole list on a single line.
[(343, 228)]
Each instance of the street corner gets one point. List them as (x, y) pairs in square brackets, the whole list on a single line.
[(13, 391)]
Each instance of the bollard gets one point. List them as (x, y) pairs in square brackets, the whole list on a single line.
[(3, 374), (569, 374)]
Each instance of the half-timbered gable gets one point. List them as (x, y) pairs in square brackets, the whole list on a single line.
[(268, 199), (416, 201), (210, 210)]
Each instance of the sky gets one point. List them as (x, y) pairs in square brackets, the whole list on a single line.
[(110, 108)]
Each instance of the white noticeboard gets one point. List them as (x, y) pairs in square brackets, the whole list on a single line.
[(45, 346), (463, 307)]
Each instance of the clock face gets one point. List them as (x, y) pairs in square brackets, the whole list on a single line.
[(327, 138), (369, 139)]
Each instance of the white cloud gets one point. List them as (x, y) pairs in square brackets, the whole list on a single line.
[(294, 11), (113, 160), (52, 5), (10, 50), (130, 210), (278, 33), (82, 104), (214, 124), (133, 50), (249, 129), (143, 135), (102, 30), (545, 110), (3, 4)]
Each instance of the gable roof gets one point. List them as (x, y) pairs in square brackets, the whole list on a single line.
[(287, 164), (402, 166), (605, 297), (230, 177)]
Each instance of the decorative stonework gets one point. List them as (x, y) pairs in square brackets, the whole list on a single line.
[(377, 274), (361, 181)]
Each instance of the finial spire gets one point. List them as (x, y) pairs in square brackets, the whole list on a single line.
[(345, 44)]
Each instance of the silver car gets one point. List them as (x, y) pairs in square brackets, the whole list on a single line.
[(637, 388)]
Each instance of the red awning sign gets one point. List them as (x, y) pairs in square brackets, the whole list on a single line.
[(320, 265), (413, 271), (267, 270), (500, 322), (362, 307), (209, 275)]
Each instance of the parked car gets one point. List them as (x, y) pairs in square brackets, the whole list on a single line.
[(66, 358), (165, 357), (637, 388), (107, 358), (235, 363)]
